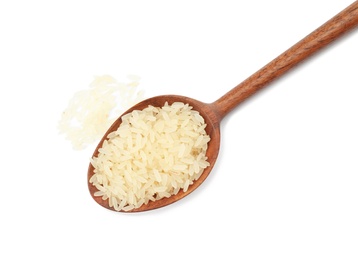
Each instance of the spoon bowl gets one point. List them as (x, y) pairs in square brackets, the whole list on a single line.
[(212, 119), (214, 112)]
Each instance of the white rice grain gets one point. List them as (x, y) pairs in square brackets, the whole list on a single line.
[(151, 156)]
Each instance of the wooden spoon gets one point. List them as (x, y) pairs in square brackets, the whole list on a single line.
[(214, 112)]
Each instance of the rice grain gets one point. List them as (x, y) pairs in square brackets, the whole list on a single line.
[(153, 154)]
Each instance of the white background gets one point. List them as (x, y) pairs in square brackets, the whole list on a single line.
[(285, 183)]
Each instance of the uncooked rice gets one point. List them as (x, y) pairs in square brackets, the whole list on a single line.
[(153, 154), (90, 112)]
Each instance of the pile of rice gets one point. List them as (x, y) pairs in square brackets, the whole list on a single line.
[(91, 112), (153, 154)]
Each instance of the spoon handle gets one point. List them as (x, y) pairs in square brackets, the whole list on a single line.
[(325, 34)]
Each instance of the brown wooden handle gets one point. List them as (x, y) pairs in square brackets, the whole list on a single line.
[(328, 32)]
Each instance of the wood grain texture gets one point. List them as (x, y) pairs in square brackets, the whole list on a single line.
[(213, 113)]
